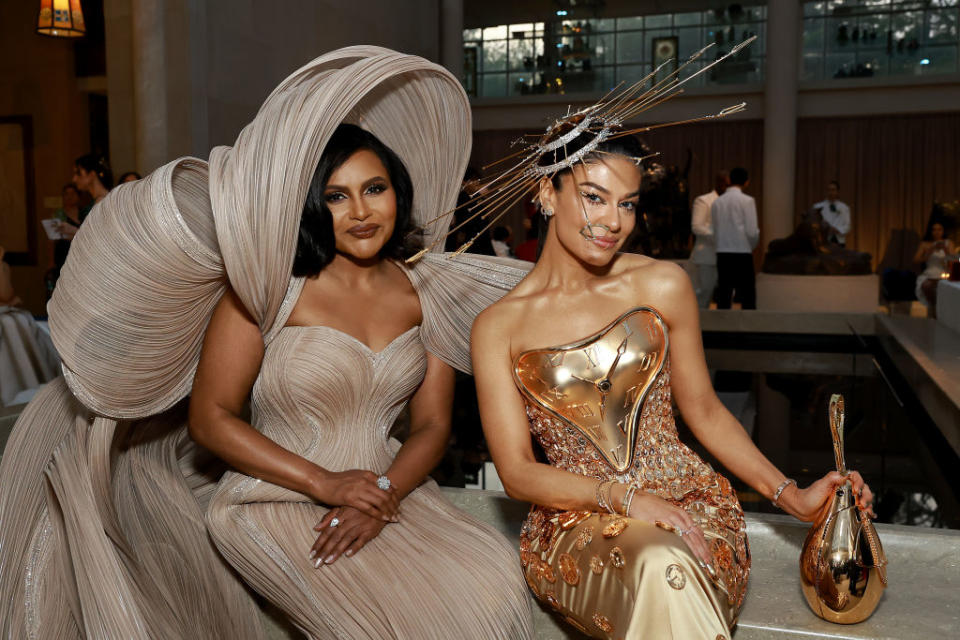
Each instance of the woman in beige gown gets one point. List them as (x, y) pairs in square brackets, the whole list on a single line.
[(108, 511), (631, 534)]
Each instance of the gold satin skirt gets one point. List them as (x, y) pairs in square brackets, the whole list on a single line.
[(614, 577)]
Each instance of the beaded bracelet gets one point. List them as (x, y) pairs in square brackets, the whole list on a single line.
[(604, 498), (779, 491)]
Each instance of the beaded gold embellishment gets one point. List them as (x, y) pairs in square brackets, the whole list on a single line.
[(584, 537), (569, 569), (603, 623), (676, 578), (617, 558), (615, 528), (660, 465), (596, 565), (547, 573)]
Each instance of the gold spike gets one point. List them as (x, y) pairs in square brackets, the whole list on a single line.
[(466, 245), (419, 254)]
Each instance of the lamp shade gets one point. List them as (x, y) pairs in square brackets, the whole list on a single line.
[(61, 19)]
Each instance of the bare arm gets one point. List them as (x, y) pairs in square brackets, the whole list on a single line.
[(229, 364), (710, 421), (923, 252), (430, 410)]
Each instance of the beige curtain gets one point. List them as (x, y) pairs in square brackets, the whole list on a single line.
[(891, 170)]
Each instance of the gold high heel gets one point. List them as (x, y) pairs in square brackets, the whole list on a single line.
[(843, 570)]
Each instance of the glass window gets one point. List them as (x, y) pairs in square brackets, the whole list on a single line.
[(663, 20), (589, 54), (630, 47), (495, 33), (626, 24), (494, 56), (868, 38), (686, 19)]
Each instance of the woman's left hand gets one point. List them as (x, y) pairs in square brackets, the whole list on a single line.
[(806, 504), (353, 530)]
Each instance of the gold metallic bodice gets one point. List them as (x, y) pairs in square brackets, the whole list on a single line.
[(598, 385)]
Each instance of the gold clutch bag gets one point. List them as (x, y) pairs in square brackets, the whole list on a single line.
[(843, 570)]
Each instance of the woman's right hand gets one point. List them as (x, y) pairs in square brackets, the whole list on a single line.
[(656, 510), (358, 488)]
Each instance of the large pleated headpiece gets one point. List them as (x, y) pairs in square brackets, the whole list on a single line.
[(153, 258)]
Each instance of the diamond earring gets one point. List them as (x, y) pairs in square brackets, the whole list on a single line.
[(547, 213)]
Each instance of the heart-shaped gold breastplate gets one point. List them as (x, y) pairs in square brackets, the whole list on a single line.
[(598, 385)]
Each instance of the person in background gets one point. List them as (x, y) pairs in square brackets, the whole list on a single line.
[(92, 174), (129, 176), (932, 253), (8, 297), (501, 241), (68, 216), (462, 230), (704, 254), (835, 214), (734, 218), (527, 250)]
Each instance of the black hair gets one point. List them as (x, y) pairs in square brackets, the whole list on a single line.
[(629, 146), (316, 244), (834, 183), (97, 164), (739, 176), (928, 236), (501, 233), (70, 185), (127, 175), (472, 173)]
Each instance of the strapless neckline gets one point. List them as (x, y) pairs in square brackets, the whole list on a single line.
[(575, 344), (353, 339)]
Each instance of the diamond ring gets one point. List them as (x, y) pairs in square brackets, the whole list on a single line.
[(384, 483), (335, 522)]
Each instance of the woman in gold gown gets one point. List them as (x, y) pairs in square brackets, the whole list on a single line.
[(631, 534)]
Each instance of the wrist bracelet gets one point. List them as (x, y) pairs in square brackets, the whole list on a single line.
[(628, 499), (598, 494), (779, 491), (608, 496)]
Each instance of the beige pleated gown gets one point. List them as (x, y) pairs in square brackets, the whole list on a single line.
[(114, 525)]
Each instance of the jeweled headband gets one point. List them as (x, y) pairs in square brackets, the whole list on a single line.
[(597, 123)]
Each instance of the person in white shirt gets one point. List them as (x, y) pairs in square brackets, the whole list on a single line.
[(835, 214), (735, 230), (704, 254), (501, 242)]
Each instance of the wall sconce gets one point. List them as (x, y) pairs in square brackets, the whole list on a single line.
[(61, 19)]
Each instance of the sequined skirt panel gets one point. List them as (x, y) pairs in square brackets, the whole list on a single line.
[(663, 466), (613, 577)]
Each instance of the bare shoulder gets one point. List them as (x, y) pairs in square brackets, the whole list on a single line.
[(640, 267), (499, 320), (661, 284)]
